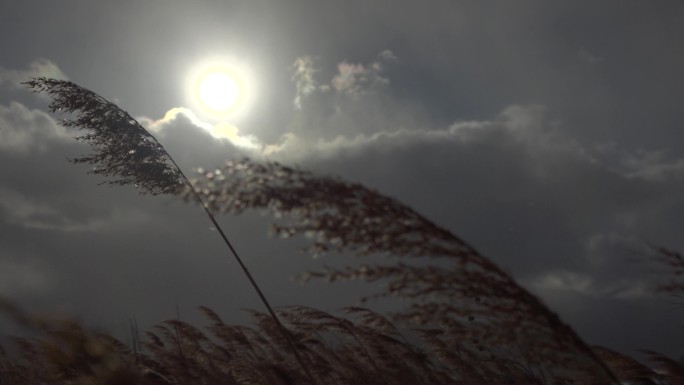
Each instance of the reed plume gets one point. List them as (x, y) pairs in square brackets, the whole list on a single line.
[(127, 154), (481, 313), (123, 151)]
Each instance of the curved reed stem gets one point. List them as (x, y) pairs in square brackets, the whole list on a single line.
[(245, 270), (125, 150)]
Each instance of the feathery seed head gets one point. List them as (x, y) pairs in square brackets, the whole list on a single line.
[(123, 150)]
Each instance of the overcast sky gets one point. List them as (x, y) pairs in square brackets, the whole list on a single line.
[(548, 134)]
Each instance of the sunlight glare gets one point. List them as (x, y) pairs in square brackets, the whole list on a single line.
[(221, 89), (218, 91)]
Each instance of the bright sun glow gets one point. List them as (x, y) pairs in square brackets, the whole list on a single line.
[(218, 91), (221, 89)]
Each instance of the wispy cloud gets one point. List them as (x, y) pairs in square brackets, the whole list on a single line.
[(23, 130), (37, 68), (526, 126), (352, 79), (19, 210), (221, 130), (655, 166), (649, 165), (585, 284), (303, 77), (355, 79)]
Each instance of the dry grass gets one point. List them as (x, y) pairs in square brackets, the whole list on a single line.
[(361, 348)]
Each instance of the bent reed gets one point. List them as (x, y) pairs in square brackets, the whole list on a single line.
[(464, 320)]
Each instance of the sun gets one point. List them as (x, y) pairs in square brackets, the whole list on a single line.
[(218, 91), (221, 89)]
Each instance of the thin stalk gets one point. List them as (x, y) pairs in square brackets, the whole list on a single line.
[(281, 327), (97, 114)]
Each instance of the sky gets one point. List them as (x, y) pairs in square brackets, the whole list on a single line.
[(545, 133)]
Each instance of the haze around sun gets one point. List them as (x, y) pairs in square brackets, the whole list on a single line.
[(221, 89)]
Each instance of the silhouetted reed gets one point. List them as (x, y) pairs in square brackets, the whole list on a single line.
[(127, 154), (481, 313), (464, 320)]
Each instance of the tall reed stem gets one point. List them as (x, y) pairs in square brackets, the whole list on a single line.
[(281, 327), (124, 148)]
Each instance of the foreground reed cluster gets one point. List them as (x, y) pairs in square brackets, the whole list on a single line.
[(463, 319), (360, 348)]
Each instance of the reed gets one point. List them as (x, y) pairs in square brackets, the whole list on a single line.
[(125, 153), (464, 320)]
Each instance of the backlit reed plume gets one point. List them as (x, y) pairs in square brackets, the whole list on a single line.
[(127, 154), (469, 309)]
